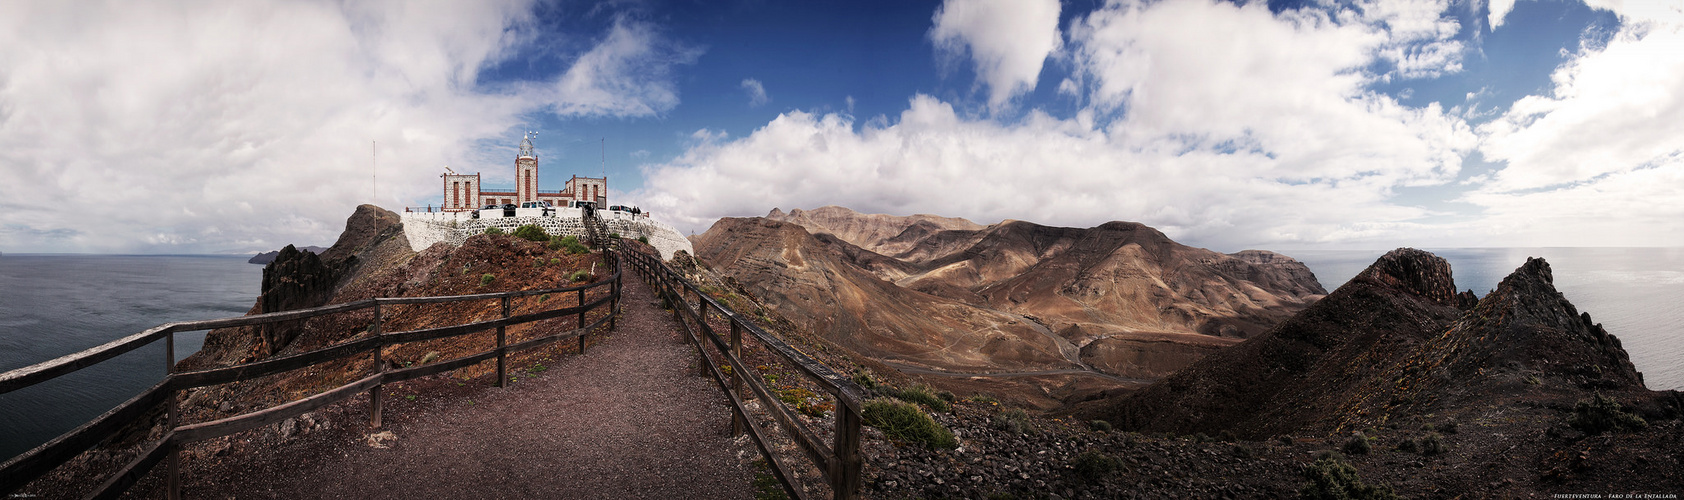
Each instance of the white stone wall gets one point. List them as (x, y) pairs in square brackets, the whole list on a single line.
[(424, 229)]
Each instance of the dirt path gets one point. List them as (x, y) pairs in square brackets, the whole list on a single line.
[(628, 419)]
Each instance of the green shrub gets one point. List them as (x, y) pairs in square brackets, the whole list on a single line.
[(613, 236), (1358, 444), (486, 279), (1407, 446), (554, 261), (570, 244), (903, 421), (985, 398), (643, 239), (1432, 444), (580, 275), (532, 232), (864, 380), (1093, 465), (922, 395), (1602, 414), (1100, 425), (493, 230), (1013, 421), (1331, 478)]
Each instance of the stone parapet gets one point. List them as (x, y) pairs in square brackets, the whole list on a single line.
[(425, 229)]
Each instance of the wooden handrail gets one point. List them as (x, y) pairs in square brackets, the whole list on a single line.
[(20, 470), (840, 461)]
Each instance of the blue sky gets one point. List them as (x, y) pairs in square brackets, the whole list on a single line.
[(162, 127)]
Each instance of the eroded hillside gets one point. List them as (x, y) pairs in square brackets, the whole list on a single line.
[(1061, 312)]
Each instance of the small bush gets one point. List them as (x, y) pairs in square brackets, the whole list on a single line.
[(1243, 451), (1602, 414), (1013, 421), (922, 395), (1100, 425), (493, 230), (532, 232), (1093, 465), (1285, 440), (1407, 446), (1357, 445), (985, 398), (580, 275), (1331, 478), (554, 261), (486, 279), (569, 243), (643, 239), (613, 236), (903, 421), (864, 380), (1432, 444)]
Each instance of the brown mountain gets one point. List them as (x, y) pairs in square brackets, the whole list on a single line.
[(1118, 303)]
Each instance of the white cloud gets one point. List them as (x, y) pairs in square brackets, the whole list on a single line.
[(756, 92), (1264, 135), (160, 126), (1600, 159), (1611, 110), (1499, 10), (1008, 41), (628, 73)]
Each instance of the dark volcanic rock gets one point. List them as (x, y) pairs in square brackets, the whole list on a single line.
[(1414, 271), (267, 257), (294, 280), (1287, 379)]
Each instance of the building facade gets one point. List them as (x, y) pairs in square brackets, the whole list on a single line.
[(463, 192)]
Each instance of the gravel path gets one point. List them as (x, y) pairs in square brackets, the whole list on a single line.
[(629, 419)]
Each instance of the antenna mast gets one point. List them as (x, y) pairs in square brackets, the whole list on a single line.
[(374, 170), (605, 158)]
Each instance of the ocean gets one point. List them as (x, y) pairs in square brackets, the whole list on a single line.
[(52, 305)]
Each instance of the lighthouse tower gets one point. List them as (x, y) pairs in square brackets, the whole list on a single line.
[(526, 171)]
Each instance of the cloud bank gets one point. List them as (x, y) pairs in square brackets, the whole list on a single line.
[(1267, 135), (1264, 134), (245, 126)]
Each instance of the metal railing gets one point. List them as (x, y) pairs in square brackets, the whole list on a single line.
[(839, 461), (20, 470)]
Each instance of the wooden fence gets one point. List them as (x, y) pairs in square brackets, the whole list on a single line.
[(839, 461), (20, 470)]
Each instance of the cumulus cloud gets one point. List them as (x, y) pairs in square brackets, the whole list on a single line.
[(160, 126), (1265, 135), (1007, 40), (756, 92), (1602, 154)]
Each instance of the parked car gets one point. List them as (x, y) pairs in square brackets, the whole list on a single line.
[(508, 210), (548, 210)]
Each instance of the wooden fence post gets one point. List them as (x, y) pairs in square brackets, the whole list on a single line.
[(845, 471), (374, 403), (502, 353), (174, 420), (582, 322), (736, 378)]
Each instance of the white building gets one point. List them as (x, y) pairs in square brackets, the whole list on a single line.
[(464, 192)]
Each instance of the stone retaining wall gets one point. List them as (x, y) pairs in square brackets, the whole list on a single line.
[(424, 229)]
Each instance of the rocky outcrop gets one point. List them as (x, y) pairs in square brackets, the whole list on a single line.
[(1284, 379), (294, 280), (1393, 344), (267, 257)]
